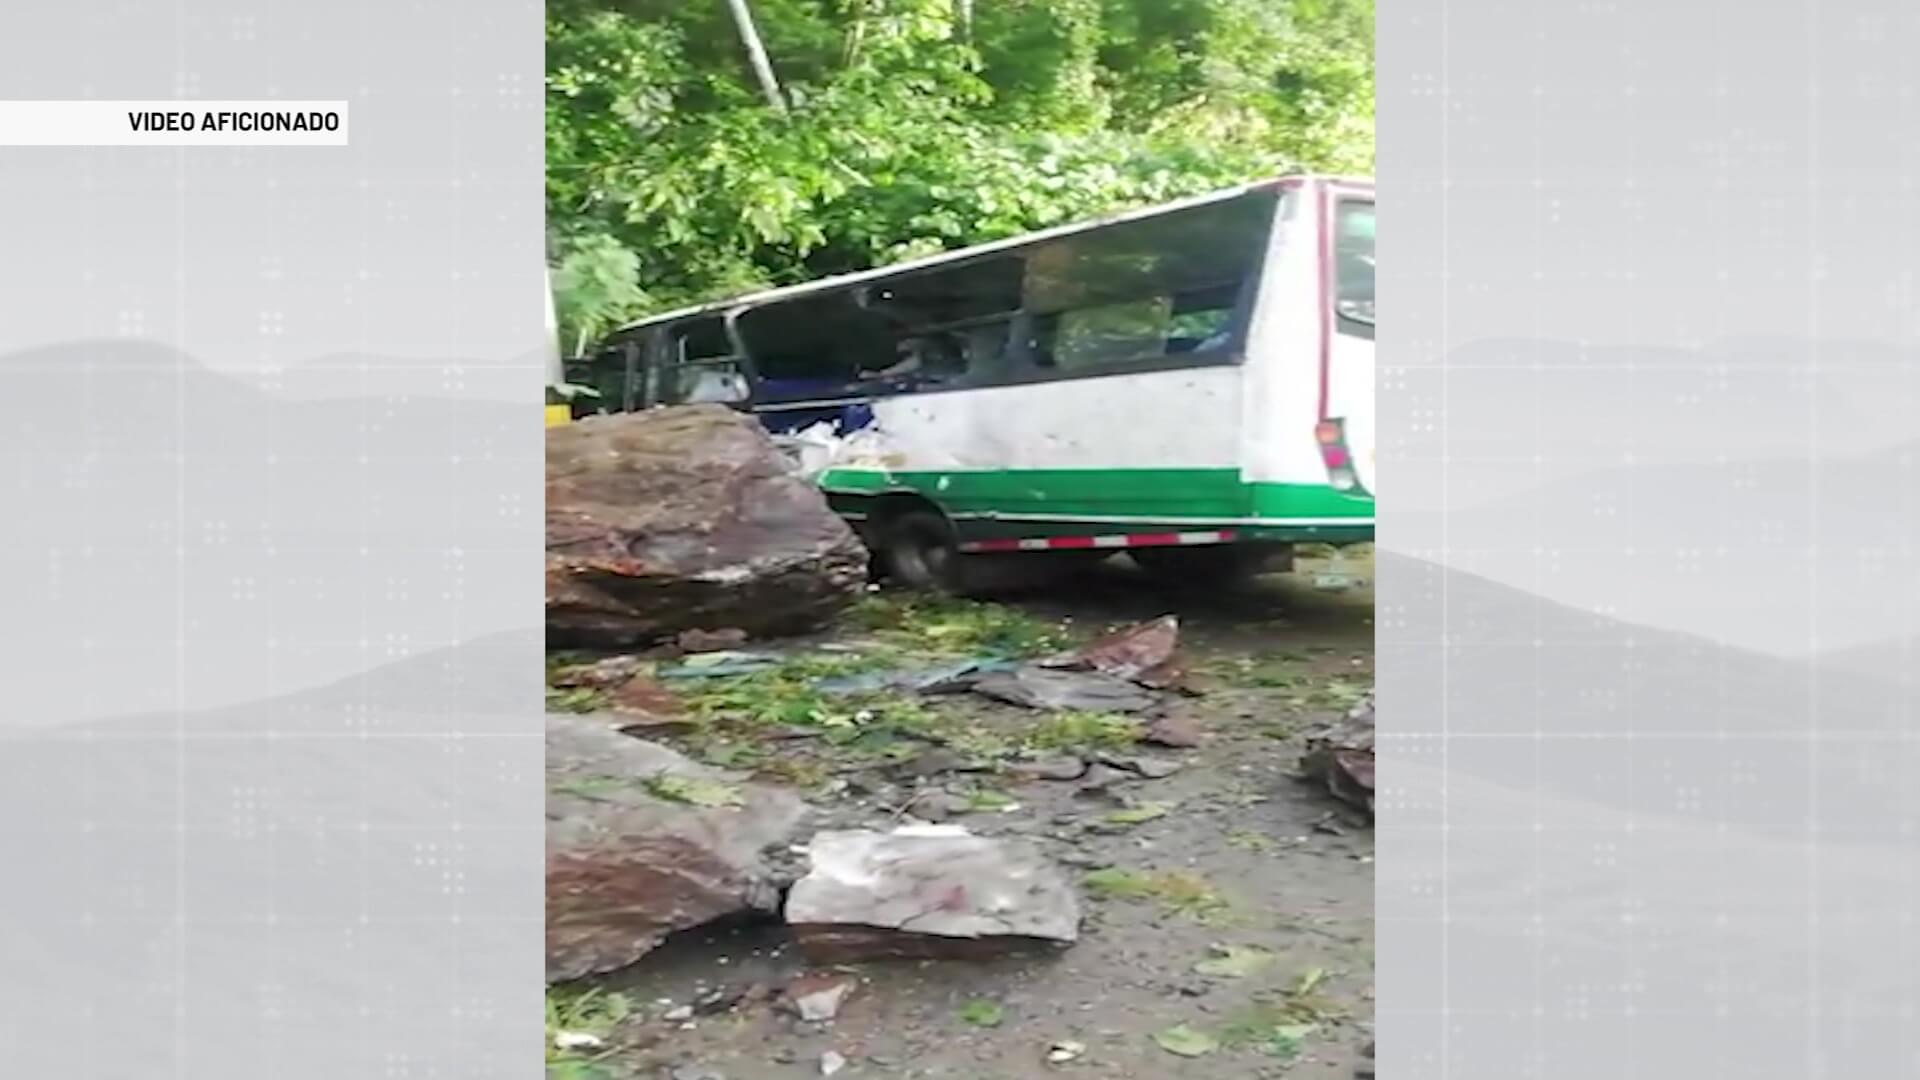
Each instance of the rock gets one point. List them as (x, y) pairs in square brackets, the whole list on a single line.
[(1100, 777), (937, 806), (1151, 768), (831, 1062), (1174, 731), (1062, 1052), (928, 891), (817, 998), (678, 1014), (687, 518), (1143, 653), (644, 695), (1047, 688), (696, 1072), (599, 675), (1066, 768), (942, 760), (721, 1000), (626, 867), (706, 641), (1340, 756), (577, 1040)]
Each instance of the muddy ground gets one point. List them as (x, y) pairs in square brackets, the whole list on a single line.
[(1241, 856)]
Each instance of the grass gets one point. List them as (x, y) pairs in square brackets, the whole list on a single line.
[(987, 800), (1083, 731), (1138, 815), (590, 1012), (1247, 840), (1280, 671), (945, 626), (981, 1012), (1177, 892), (593, 787), (1278, 1024), (575, 699)]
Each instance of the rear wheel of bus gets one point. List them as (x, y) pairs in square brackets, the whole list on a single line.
[(1212, 565)]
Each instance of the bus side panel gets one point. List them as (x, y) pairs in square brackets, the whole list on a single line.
[(1156, 447)]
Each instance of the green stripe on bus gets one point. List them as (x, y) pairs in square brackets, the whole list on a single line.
[(1147, 495)]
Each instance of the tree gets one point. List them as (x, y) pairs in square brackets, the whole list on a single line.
[(911, 126)]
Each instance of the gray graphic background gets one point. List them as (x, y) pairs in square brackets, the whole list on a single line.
[(1648, 575), (270, 460)]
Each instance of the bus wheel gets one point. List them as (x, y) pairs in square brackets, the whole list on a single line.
[(918, 551), (1209, 566)]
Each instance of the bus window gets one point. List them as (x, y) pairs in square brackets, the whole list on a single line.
[(952, 326), (701, 366), (1353, 254), (813, 347), (1144, 292)]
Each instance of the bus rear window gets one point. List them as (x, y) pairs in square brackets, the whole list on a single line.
[(1353, 248)]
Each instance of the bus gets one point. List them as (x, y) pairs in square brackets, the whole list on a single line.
[(1190, 383)]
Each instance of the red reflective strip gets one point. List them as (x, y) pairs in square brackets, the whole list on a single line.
[(1080, 543)]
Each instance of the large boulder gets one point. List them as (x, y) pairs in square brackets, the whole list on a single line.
[(686, 518), (642, 842)]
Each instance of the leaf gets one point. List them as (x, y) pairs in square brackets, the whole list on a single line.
[(981, 1012), (991, 800), (1186, 1041), (1235, 961), (1136, 814), (1285, 1041), (696, 791)]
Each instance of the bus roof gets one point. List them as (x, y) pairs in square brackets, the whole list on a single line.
[(829, 284)]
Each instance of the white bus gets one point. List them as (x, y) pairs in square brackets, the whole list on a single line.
[(1192, 383)]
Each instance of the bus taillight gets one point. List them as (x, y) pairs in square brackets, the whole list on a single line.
[(1332, 437)]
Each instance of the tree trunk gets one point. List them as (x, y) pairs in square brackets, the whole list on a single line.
[(757, 54), (964, 10)]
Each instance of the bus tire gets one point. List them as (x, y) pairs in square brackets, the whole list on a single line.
[(1209, 566), (919, 551)]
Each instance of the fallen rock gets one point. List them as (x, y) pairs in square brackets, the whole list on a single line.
[(644, 695), (817, 998), (1151, 768), (686, 518), (1178, 732), (604, 674), (1340, 756), (934, 805), (928, 891), (1100, 776), (1066, 768), (1142, 653), (1039, 687), (626, 866), (706, 641)]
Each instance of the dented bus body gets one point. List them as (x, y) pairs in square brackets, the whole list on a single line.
[(1193, 383)]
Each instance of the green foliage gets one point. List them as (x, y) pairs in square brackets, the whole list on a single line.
[(1086, 731), (574, 1013), (671, 181), (944, 626)]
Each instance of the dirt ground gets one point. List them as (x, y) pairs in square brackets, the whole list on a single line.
[(1243, 856)]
